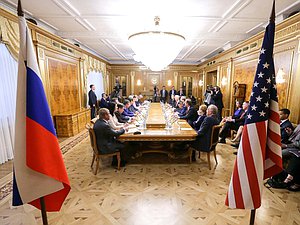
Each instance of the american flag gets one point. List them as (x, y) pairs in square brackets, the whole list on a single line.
[(259, 152)]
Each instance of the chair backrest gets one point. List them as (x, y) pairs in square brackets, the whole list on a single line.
[(92, 138), (215, 136)]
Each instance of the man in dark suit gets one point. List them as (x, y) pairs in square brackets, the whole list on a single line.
[(106, 136), (172, 92), (218, 99), (163, 94), (119, 114), (190, 114), (202, 141), (181, 92), (233, 123), (103, 101), (284, 123), (92, 101)]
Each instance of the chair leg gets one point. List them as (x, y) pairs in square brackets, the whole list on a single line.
[(190, 153), (97, 165), (119, 160), (215, 155), (199, 155), (93, 160), (208, 160)]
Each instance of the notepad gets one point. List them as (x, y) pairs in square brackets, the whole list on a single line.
[(181, 122), (186, 128)]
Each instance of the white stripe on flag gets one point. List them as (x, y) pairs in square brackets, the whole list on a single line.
[(256, 151), (231, 198), (243, 176), (268, 163), (275, 148)]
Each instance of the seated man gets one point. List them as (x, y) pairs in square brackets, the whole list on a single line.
[(204, 133), (180, 110), (106, 136), (293, 142), (177, 100), (233, 124), (172, 101), (285, 123), (119, 114), (202, 114), (103, 102), (126, 111), (190, 113)]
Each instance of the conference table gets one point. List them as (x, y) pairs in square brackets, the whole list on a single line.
[(155, 138)]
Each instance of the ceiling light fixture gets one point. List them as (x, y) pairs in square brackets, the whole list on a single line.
[(156, 49)]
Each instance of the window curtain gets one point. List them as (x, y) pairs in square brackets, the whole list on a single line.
[(95, 78), (8, 86)]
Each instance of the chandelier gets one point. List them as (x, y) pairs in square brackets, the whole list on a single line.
[(156, 49)]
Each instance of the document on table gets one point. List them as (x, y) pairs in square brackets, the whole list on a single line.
[(186, 128)]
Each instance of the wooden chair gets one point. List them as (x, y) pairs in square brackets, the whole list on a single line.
[(96, 154), (213, 143)]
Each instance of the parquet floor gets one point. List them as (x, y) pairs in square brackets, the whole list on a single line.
[(147, 193)]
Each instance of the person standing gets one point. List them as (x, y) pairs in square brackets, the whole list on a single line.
[(155, 93), (218, 99), (163, 94), (172, 92), (92, 101), (181, 92)]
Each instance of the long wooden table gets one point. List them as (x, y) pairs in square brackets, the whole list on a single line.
[(156, 131), (155, 138)]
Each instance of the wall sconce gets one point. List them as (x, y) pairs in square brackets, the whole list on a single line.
[(201, 83), (138, 82), (280, 76), (169, 83), (224, 81)]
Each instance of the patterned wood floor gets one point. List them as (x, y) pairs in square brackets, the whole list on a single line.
[(158, 194)]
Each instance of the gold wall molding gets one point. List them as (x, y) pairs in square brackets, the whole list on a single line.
[(10, 35)]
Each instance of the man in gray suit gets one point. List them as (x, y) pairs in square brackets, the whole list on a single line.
[(106, 137), (293, 144)]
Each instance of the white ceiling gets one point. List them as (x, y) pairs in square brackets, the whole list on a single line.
[(104, 26)]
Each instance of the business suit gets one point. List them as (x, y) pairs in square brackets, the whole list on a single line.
[(106, 137), (284, 134), (202, 141), (103, 103), (181, 93), (92, 103), (121, 118), (172, 92), (190, 115), (218, 99), (198, 122), (233, 125), (163, 95)]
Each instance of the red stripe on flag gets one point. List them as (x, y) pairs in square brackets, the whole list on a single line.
[(274, 116), (277, 168), (262, 136), (237, 188), (276, 138), (43, 155), (53, 202), (250, 169), (43, 152)]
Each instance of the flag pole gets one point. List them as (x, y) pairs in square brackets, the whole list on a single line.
[(252, 216), (272, 20), (42, 201), (43, 210)]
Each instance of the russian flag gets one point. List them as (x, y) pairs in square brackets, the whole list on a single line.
[(39, 170)]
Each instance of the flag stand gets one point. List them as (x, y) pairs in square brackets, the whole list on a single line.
[(252, 216), (43, 211)]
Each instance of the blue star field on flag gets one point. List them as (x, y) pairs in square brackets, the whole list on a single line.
[(264, 87)]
